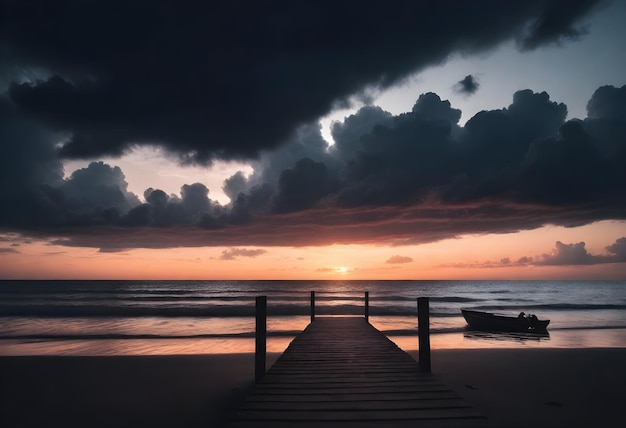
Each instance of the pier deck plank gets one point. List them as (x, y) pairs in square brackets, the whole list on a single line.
[(342, 372)]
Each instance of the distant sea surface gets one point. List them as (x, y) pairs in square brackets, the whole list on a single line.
[(208, 317)]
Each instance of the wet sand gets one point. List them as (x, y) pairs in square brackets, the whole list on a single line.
[(512, 387)]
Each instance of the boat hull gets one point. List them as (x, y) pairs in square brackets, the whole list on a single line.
[(491, 322)]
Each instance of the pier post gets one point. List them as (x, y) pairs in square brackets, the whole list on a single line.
[(260, 337), (367, 306), (312, 306), (423, 332)]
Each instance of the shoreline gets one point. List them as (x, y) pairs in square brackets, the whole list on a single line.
[(449, 341), (543, 387)]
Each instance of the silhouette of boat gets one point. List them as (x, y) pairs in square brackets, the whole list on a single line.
[(492, 322)]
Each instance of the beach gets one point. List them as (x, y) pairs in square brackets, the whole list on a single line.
[(548, 387), (123, 391)]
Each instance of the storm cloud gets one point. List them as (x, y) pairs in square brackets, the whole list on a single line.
[(250, 81), (230, 79), (412, 178)]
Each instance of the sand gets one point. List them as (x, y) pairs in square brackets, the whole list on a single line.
[(539, 387), (122, 391), (512, 387)]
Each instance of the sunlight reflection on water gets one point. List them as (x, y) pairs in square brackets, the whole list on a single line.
[(109, 347), (609, 338)]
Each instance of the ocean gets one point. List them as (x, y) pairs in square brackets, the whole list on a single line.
[(209, 317)]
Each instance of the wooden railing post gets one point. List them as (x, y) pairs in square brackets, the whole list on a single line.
[(367, 306), (260, 337), (423, 332), (312, 306)]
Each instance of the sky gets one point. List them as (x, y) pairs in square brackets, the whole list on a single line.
[(313, 140)]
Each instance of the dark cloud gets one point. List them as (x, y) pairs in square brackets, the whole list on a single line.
[(303, 185), (249, 80), (556, 24), (235, 185), (567, 169), (468, 85), (231, 79), (193, 207), (606, 116), (607, 103), (399, 259), (347, 134), (99, 185), (233, 253), (401, 163), (413, 178), (29, 167)]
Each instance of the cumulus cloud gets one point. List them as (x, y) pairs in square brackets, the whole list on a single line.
[(412, 178), (229, 80), (618, 249), (72, 88), (303, 185), (399, 259), (468, 85), (577, 254), (233, 253), (567, 254), (561, 255)]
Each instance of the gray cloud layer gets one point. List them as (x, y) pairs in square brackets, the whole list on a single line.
[(229, 79)]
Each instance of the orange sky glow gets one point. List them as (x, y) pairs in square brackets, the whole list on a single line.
[(468, 257), (495, 151)]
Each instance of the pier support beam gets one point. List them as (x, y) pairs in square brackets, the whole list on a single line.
[(367, 306), (260, 337), (423, 332), (312, 306)]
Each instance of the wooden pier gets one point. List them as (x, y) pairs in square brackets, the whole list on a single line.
[(342, 372)]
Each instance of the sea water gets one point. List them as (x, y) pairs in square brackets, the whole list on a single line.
[(200, 317)]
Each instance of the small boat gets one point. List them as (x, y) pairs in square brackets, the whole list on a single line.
[(492, 322)]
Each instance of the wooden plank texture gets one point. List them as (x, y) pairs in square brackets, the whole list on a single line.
[(342, 372)]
